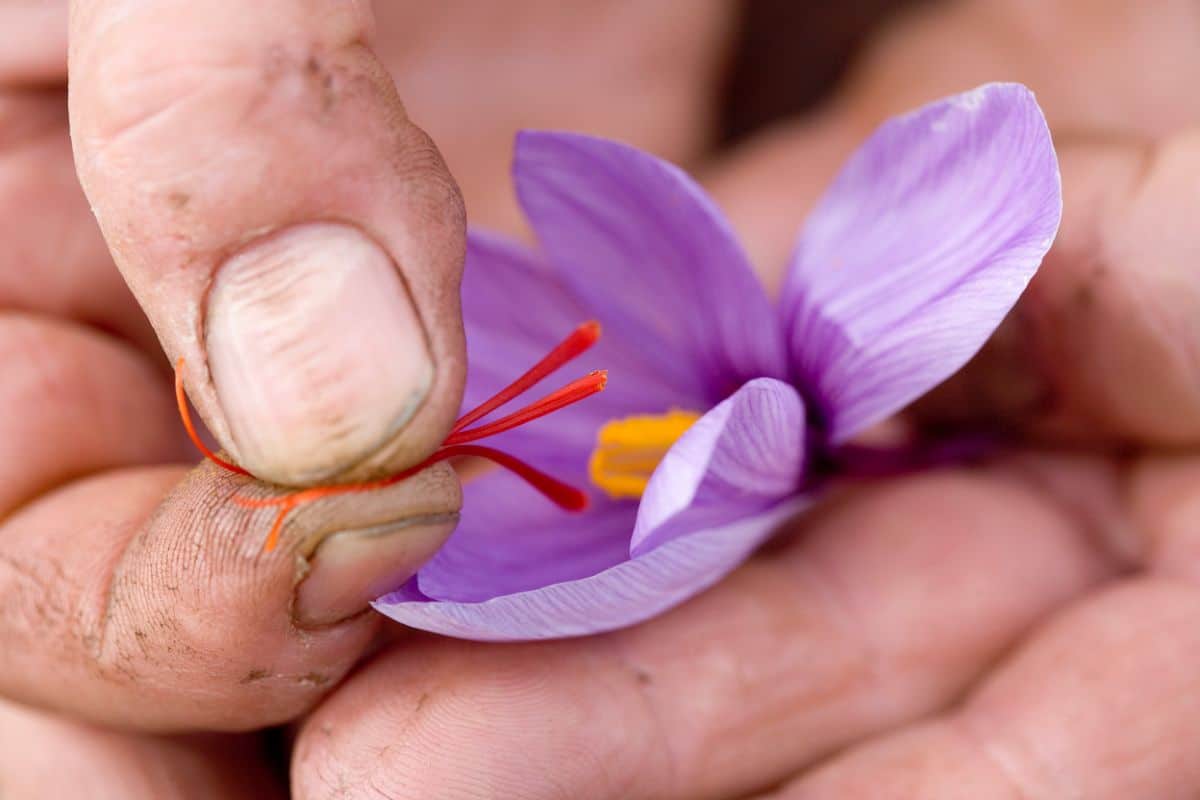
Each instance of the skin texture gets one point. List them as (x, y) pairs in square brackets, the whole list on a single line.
[(1025, 627)]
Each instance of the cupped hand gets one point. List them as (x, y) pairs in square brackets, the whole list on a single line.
[(1023, 628)]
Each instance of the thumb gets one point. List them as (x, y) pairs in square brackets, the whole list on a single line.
[(286, 228)]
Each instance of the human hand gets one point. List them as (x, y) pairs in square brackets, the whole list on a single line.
[(1018, 629), (739, 184), (136, 595), (292, 235)]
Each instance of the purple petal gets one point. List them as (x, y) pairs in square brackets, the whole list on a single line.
[(518, 568), (918, 250), (515, 308), (742, 456), (510, 539), (643, 245), (622, 595)]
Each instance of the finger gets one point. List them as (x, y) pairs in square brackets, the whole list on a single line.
[(1165, 496), (1105, 345), (74, 402), (53, 259), (43, 756), (166, 614), (1100, 703), (886, 609), (286, 228), (33, 42)]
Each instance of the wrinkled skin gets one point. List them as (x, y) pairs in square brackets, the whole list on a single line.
[(1025, 628)]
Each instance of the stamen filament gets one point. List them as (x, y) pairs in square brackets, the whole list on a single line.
[(573, 392), (580, 340)]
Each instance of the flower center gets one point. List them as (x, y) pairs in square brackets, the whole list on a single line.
[(629, 449)]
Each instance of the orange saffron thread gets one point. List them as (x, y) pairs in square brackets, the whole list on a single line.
[(456, 444), (186, 416)]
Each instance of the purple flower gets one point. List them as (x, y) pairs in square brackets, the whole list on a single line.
[(717, 396)]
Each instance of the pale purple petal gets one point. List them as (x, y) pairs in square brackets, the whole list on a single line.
[(510, 539), (518, 568), (742, 456), (919, 249), (640, 243), (515, 308), (623, 595)]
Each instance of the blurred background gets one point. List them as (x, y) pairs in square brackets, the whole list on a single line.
[(813, 44)]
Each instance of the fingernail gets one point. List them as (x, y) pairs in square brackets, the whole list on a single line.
[(351, 568), (316, 351)]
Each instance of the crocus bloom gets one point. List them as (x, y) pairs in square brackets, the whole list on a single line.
[(717, 396)]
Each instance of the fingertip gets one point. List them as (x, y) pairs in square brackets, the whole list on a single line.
[(292, 233), (317, 354)]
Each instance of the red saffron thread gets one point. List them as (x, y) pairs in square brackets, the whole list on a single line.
[(456, 444), (575, 345), (573, 392), (185, 415)]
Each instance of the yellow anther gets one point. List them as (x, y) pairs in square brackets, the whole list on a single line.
[(628, 450)]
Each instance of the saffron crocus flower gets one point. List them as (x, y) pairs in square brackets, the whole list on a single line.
[(718, 398)]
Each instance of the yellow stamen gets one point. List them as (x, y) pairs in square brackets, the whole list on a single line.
[(628, 450)]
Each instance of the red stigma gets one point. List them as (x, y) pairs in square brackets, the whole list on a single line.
[(456, 444)]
